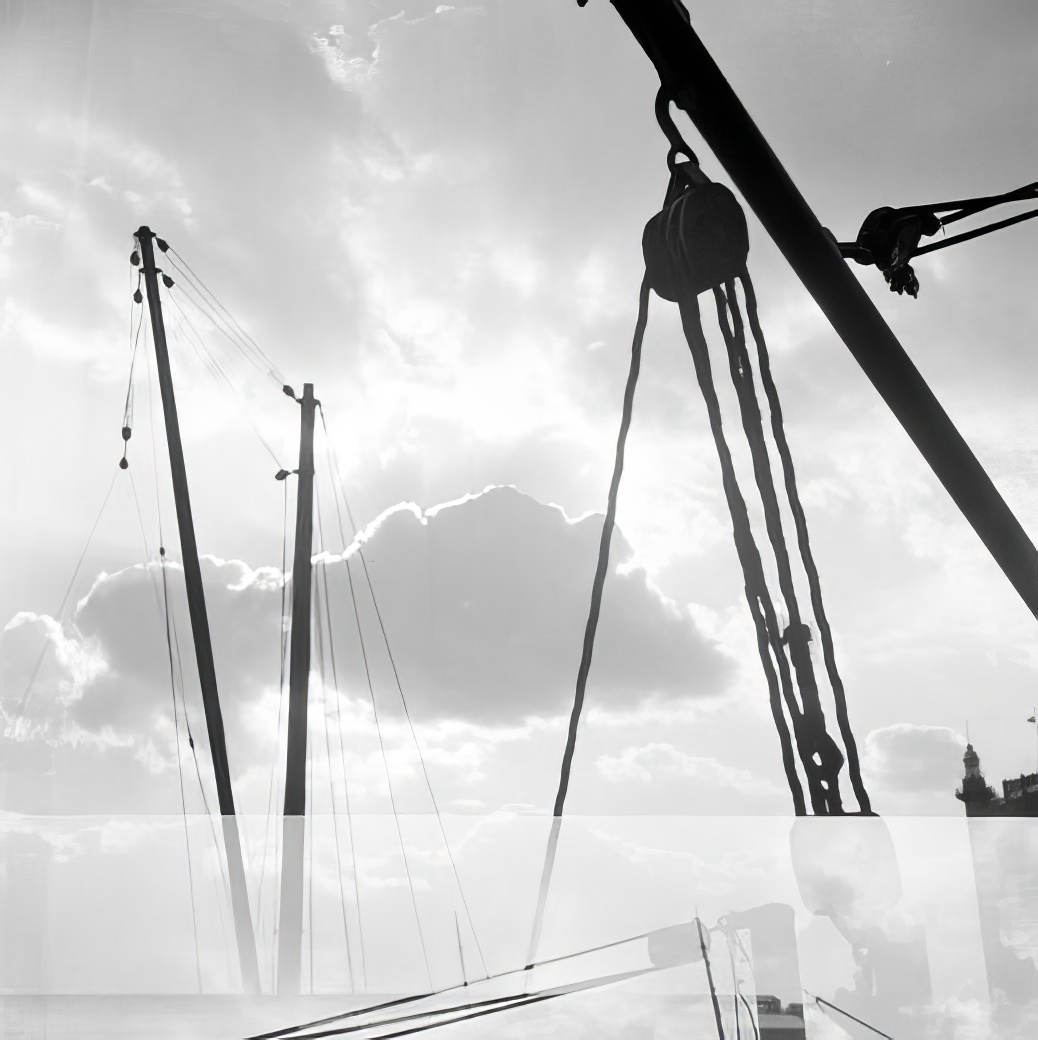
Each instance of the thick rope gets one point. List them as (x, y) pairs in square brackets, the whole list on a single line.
[(591, 627), (822, 777), (603, 550), (804, 543), (761, 607)]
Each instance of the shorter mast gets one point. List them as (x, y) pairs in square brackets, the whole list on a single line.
[(290, 928), (243, 930)]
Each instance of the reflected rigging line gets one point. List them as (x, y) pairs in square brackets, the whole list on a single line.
[(820, 1001), (489, 1006), (414, 998)]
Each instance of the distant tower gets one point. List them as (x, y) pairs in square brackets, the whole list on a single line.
[(978, 797)]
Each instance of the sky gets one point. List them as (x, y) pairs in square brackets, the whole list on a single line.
[(433, 213)]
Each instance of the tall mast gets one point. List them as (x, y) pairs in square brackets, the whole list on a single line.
[(290, 929), (698, 86), (243, 931)]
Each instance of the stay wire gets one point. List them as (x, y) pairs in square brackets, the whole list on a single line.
[(185, 269), (804, 543), (399, 686), (162, 603), (198, 343), (239, 349), (310, 834), (328, 746), (27, 692), (823, 799), (128, 405), (180, 764), (499, 1004), (283, 640), (761, 607), (385, 765)]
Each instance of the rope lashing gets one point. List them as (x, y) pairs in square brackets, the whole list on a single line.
[(889, 237)]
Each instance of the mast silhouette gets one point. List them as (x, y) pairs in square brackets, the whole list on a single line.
[(290, 927), (243, 930)]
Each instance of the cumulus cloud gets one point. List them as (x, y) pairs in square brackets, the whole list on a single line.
[(914, 769), (490, 599), (670, 780), (483, 600)]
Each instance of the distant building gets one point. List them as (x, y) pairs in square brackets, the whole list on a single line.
[(1019, 797), (777, 1022)]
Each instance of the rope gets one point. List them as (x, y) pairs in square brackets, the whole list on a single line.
[(804, 544), (761, 607), (975, 233), (822, 783), (603, 550), (591, 626)]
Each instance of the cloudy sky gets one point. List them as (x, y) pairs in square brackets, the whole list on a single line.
[(433, 213)]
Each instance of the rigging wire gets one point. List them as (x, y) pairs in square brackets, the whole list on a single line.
[(180, 764), (337, 485), (208, 359), (385, 764), (23, 702), (327, 616), (415, 997), (246, 343), (497, 1005), (310, 836)]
